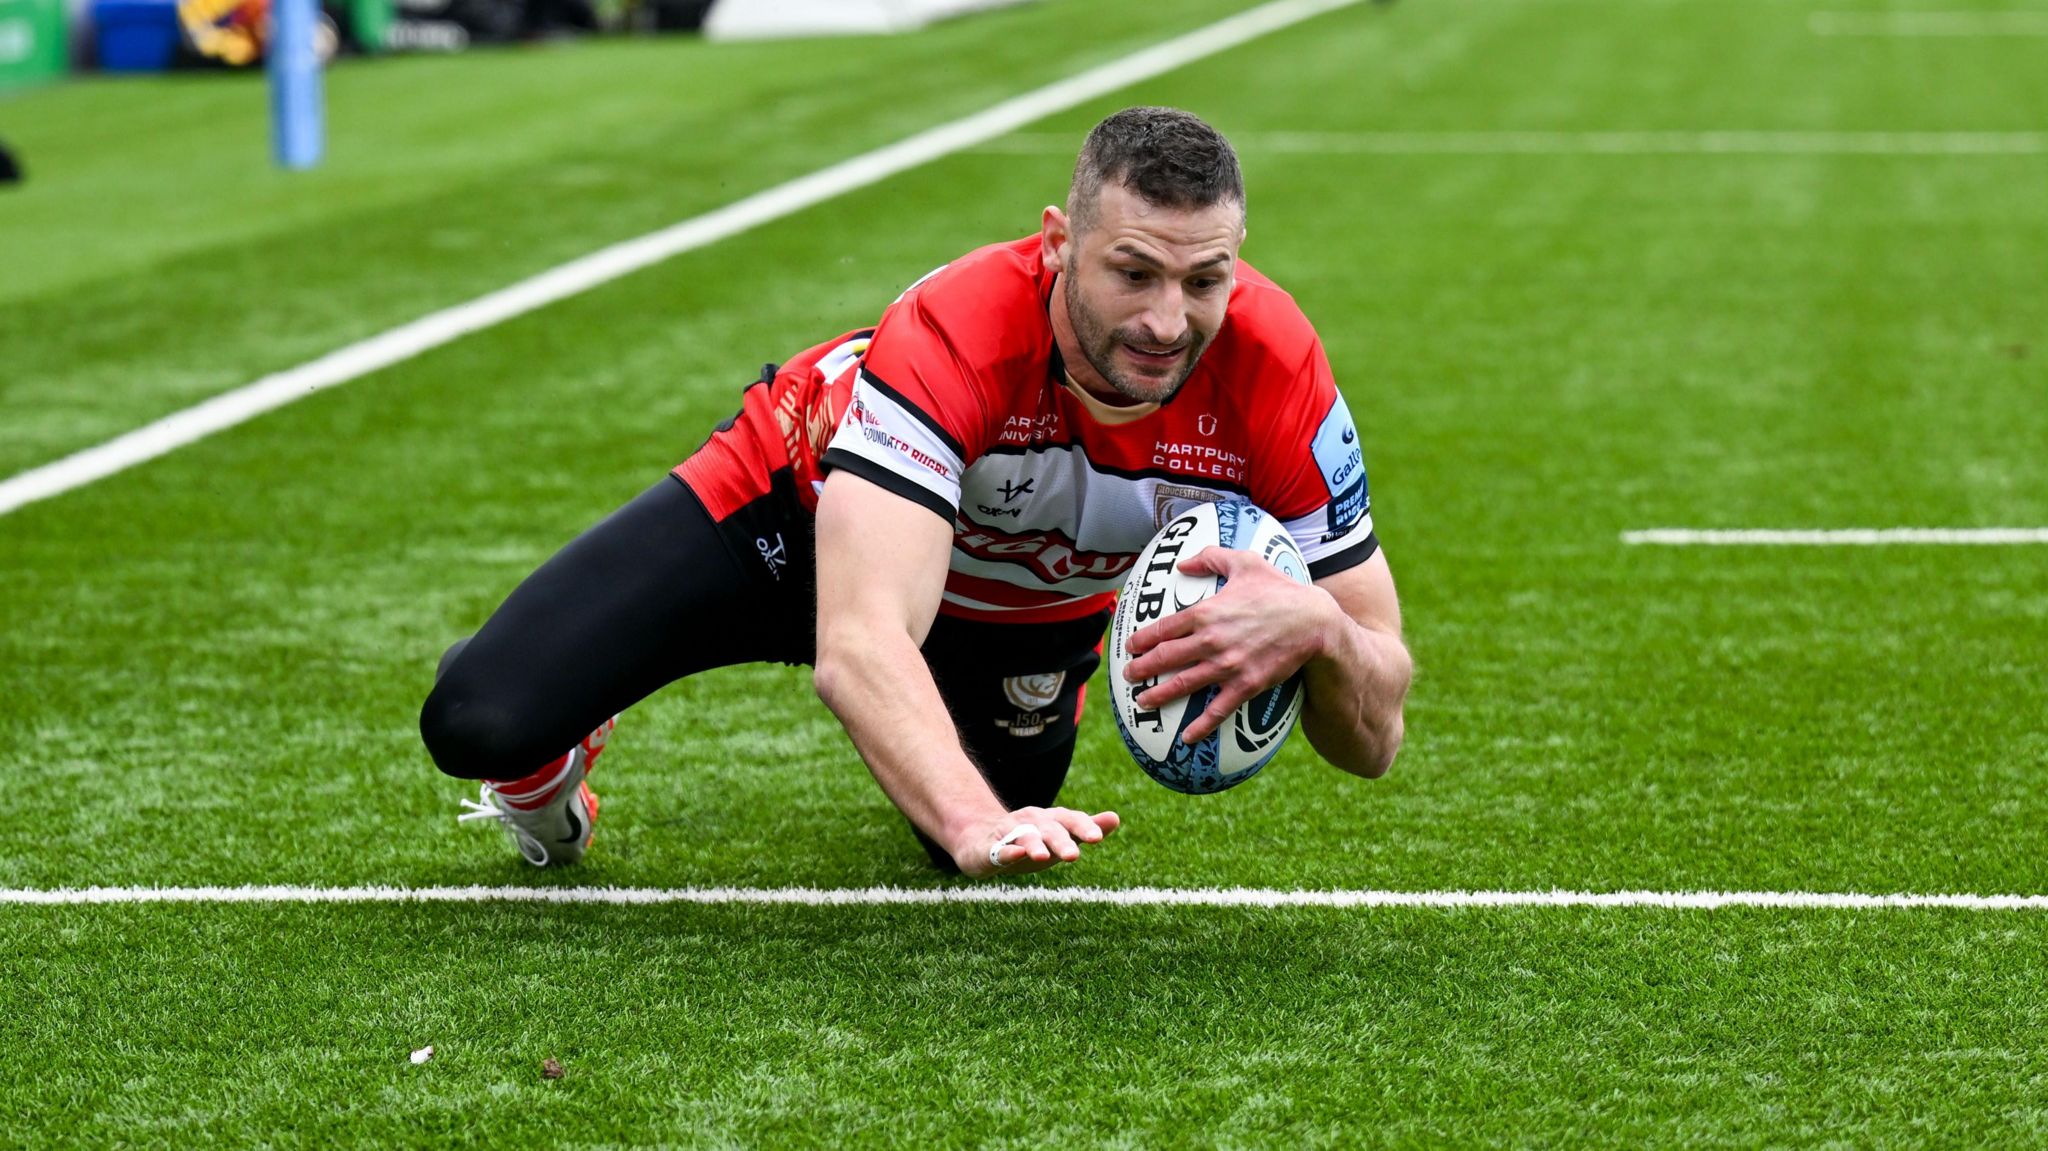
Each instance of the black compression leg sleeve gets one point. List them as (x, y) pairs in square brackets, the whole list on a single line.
[(646, 597)]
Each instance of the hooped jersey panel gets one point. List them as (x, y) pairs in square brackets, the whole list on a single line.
[(955, 401)]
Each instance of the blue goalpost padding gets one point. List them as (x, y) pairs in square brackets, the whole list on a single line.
[(298, 119)]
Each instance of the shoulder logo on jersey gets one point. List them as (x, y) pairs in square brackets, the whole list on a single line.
[(1342, 463), (861, 413), (1205, 424)]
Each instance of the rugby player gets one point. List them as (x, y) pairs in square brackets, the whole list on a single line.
[(936, 512)]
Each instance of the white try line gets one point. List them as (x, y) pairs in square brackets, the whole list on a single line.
[(608, 264), (1720, 142), (1840, 537), (1928, 23), (1249, 897)]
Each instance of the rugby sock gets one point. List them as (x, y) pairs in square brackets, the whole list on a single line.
[(537, 790)]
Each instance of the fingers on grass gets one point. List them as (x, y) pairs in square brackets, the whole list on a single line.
[(1078, 824), (1057, 839)]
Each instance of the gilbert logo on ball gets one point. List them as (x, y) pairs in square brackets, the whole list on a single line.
[(1155, 589)]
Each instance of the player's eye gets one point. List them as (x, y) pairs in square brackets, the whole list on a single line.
[(1133, 276), (1205, 285)]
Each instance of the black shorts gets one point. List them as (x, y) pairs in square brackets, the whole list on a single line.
[(658, 591)]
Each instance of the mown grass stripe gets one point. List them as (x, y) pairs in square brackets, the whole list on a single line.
[(1713, 142), (1931, 23), (1838, 537), (601, 267), (1249, 897)]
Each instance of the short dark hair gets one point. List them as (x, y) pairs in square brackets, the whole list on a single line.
[(1169, 157)]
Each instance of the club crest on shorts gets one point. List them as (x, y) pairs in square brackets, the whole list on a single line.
[(1031, 692), (1026, 724)]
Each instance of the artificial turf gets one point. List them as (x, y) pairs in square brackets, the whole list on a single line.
[(210, 665), (1023, 1027)]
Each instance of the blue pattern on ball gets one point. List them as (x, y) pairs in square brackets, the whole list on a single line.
[(1193, 769), (1230, 516)]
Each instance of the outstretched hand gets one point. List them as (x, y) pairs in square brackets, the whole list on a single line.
[(1030, 839), (1255, 633)]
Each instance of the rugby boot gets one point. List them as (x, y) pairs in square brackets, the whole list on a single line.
[(550, 815)]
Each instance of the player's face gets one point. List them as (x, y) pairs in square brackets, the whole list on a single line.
[(1146, 288)]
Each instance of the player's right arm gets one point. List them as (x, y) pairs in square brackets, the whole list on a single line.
[(882, 562)]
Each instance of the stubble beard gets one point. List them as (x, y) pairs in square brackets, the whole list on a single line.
[(1099, 344)]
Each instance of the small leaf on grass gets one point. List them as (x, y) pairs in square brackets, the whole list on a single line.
[(551, 1069)]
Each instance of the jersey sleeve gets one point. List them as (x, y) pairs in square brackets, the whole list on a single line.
[(1319, 488), (915, 419)]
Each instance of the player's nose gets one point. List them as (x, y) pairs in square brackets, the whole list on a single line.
[(1166, 321)]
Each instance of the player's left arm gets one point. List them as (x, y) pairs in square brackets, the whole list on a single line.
[(1343, 633), (1358, 680)]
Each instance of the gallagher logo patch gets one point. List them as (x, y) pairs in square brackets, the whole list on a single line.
[(1342, 462)]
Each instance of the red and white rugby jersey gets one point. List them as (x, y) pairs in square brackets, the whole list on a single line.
[(957, 400)]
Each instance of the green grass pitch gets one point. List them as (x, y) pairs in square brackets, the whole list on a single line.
[(210, 665)]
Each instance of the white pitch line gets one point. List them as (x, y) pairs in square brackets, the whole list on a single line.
[(1719, 142), (1928, 23), (1840, 537), (608, 264), (998, 894)]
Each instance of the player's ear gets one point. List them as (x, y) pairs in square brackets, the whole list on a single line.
[(1053, 237)]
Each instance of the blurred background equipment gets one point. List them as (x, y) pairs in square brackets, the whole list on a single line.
[(297, 115), (237, 33), (135, 35), (33, 42), (36, 36), (760, 19)]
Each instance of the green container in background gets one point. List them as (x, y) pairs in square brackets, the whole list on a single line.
[(34, 42), (369, 23)]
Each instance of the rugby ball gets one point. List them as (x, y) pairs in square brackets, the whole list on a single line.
[(1155, 589)]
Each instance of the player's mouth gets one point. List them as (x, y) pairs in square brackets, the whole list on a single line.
[(1152, 357)]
